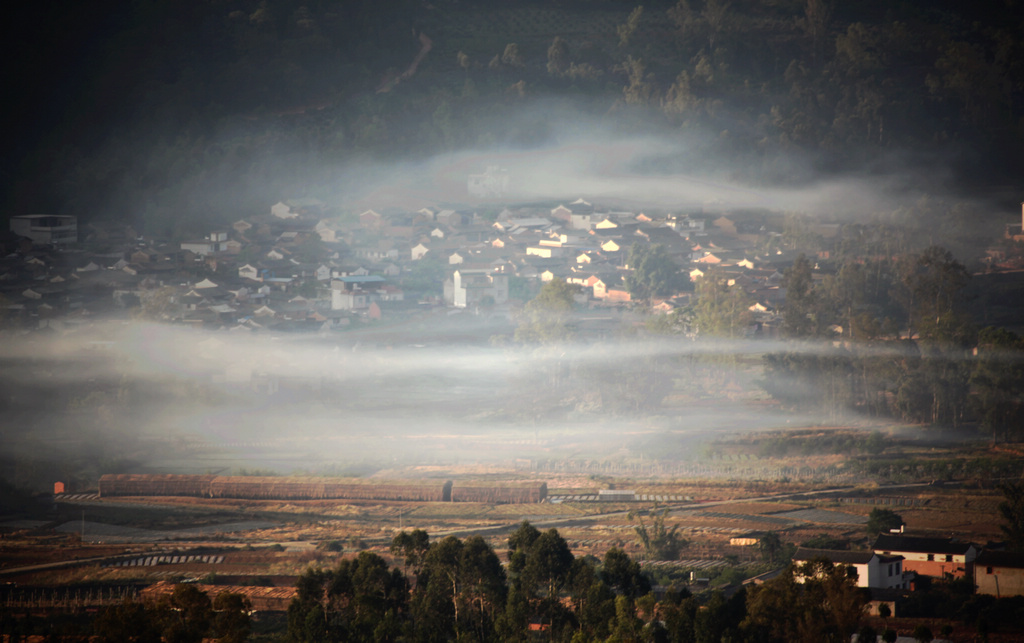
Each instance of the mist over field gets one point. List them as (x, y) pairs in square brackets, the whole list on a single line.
[(152, 398)]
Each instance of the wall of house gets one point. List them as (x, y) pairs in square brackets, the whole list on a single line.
[(885, 575), (999, 581), (936, 568)]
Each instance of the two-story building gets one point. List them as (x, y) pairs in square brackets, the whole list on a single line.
[(872, 569), (929, 556), (56, 229), (468, 288)]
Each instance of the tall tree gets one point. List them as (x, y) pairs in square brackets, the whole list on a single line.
[(721, 310), (882, 520), (654, 273), (626, 30), (997, 382), (1012, 511), (231, 620), (934, 282), (546, 318), (798, 315), (188, 616), (558, 57)]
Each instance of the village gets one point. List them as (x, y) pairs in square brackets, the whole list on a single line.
[(303, 268)]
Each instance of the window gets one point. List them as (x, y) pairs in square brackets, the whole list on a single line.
[(988, 570), (949, 558), (931, 556), (890, 569)]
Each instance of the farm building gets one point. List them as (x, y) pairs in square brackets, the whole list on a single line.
[(288, 488), (155, 485), (500, 494), (312, 488)]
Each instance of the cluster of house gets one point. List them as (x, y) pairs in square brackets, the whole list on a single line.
[(896, 561), (297, 267)]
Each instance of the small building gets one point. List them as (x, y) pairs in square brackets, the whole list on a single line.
[(355, 292), (55, 229), (473, 287), (616, 495), (213, 243), (999, 573), (492, 183)]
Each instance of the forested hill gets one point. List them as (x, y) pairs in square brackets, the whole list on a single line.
[(166, 112)]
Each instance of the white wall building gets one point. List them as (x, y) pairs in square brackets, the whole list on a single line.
[(56, 229), (471, 287), (873, 570)]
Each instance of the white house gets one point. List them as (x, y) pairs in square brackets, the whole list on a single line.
[(493, 183), (471, 287), (282, 210), (213, 243), (418, 251), (872, 569), (56, 229), (249, 271), (355, 292)]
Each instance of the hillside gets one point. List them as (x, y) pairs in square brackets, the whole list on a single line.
[(167, 114)]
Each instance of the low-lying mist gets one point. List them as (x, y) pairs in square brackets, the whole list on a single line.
[(132, 397)]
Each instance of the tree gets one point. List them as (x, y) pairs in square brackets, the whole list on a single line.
[(511, 55), (231, 620), (484, 589), (797, 318), (659, 542), (1012, 511), (626, 30), (654, 272), (545, 318), (356, 601), (624, 575), (639, 88), (884, 611), (770, 546), (867, 634), (997, 381), (548, 563), (923, 634), (882, 520), (721, 310), (413, 546), (558, 57), (188, 615), (826, 606), (679, 99), (129, 622), (627, 624), (933, 284)]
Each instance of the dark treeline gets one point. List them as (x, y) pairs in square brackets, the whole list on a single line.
[(168, 113), (458, 590), (461, 592)]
